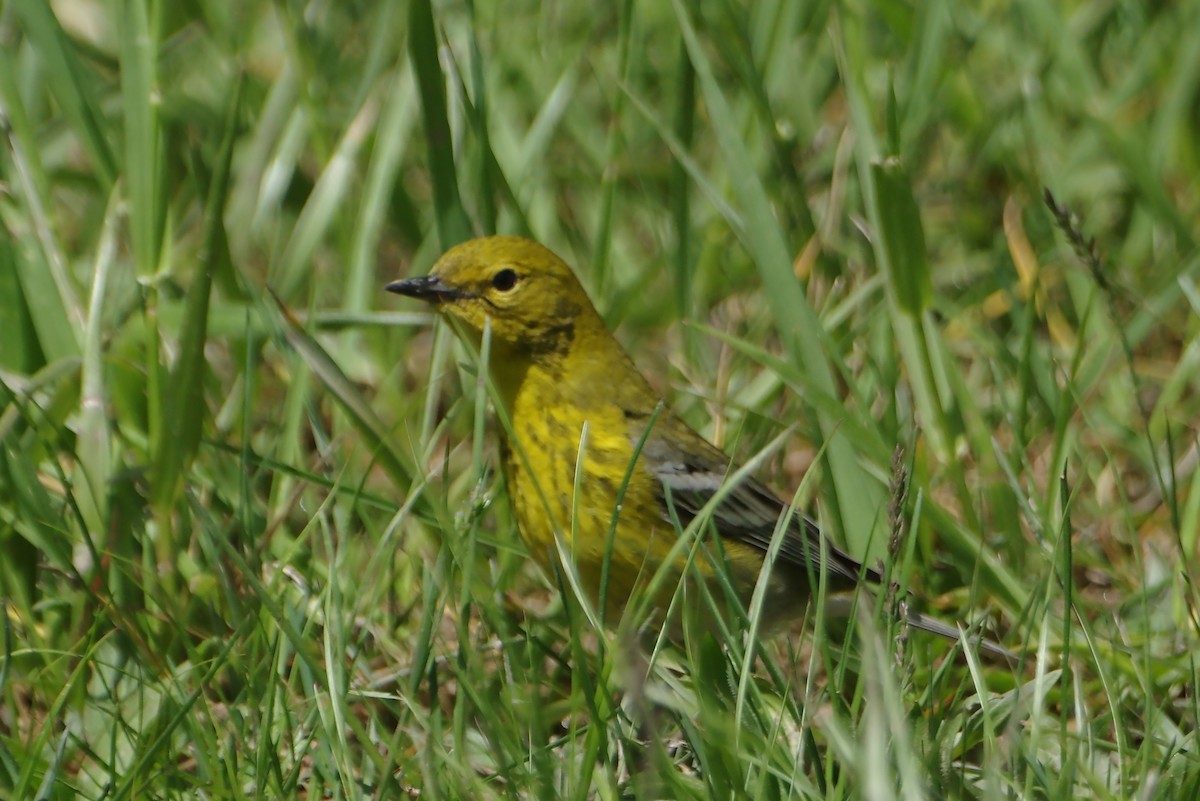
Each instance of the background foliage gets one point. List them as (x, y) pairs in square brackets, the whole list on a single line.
[(253, 545)]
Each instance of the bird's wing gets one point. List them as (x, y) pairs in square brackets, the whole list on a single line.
[(692, 471)]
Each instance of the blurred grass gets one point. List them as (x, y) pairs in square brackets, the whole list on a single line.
[(259, 549)]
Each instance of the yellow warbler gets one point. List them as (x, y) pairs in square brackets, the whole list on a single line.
[(574, 398)]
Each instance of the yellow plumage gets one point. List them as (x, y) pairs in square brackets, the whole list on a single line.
[(560, 373)]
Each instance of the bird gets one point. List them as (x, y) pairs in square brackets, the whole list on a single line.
[(575, 401)]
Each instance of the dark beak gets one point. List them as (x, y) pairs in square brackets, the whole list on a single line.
[(427, 287)]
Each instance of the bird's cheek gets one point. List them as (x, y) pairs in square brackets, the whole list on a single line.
[(470, 317), (505, 333)]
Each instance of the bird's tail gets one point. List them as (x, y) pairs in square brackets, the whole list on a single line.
[(843, 605), (935, 626)]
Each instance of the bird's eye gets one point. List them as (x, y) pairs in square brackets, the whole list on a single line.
[(504, 280)]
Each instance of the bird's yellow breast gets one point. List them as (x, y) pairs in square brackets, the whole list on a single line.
[(595, 520), (613, 513)]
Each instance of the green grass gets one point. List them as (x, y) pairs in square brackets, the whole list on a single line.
[(252, 539)]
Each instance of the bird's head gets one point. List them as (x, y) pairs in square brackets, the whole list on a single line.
[(529, 297)]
